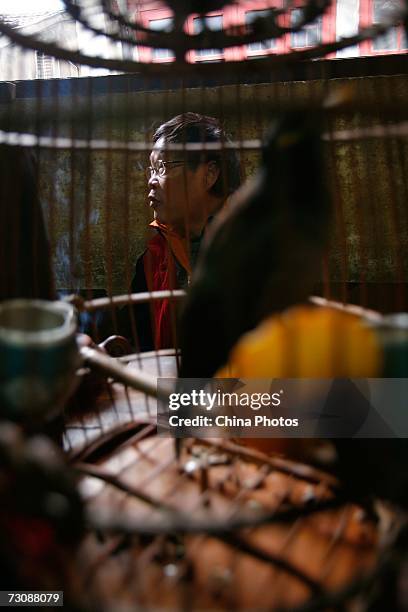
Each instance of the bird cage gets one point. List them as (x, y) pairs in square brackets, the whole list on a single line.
[(129, 517)]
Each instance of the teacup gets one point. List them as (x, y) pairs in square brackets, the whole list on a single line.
[(38, 358), (392, 331)]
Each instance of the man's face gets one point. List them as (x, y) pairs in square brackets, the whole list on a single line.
[(179, 197)]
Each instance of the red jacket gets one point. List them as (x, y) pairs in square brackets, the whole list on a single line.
[(159, 262)]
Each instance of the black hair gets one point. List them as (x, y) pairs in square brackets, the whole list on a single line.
[(196, 128)]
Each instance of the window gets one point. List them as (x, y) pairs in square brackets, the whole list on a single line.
[(257, 47), (161, 25), (389, 40), (44, 65), (377, 11), (309, 35), (213, 23)]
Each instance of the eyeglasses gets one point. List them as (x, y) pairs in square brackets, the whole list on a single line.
[(161, 169)]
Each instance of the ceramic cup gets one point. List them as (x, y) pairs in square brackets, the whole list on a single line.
[(392, 331), (38, 358)]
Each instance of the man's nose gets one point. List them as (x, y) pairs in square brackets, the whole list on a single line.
[(153, 180)]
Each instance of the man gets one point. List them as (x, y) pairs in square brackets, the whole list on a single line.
[(186, 189)]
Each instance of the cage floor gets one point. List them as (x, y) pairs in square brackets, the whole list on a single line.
[(186, 534)]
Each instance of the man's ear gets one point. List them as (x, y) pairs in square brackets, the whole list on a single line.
[(212, 174)]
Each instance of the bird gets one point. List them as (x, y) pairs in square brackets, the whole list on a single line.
[(337, 346), (262, 252), (260, 257), (310, 342)]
